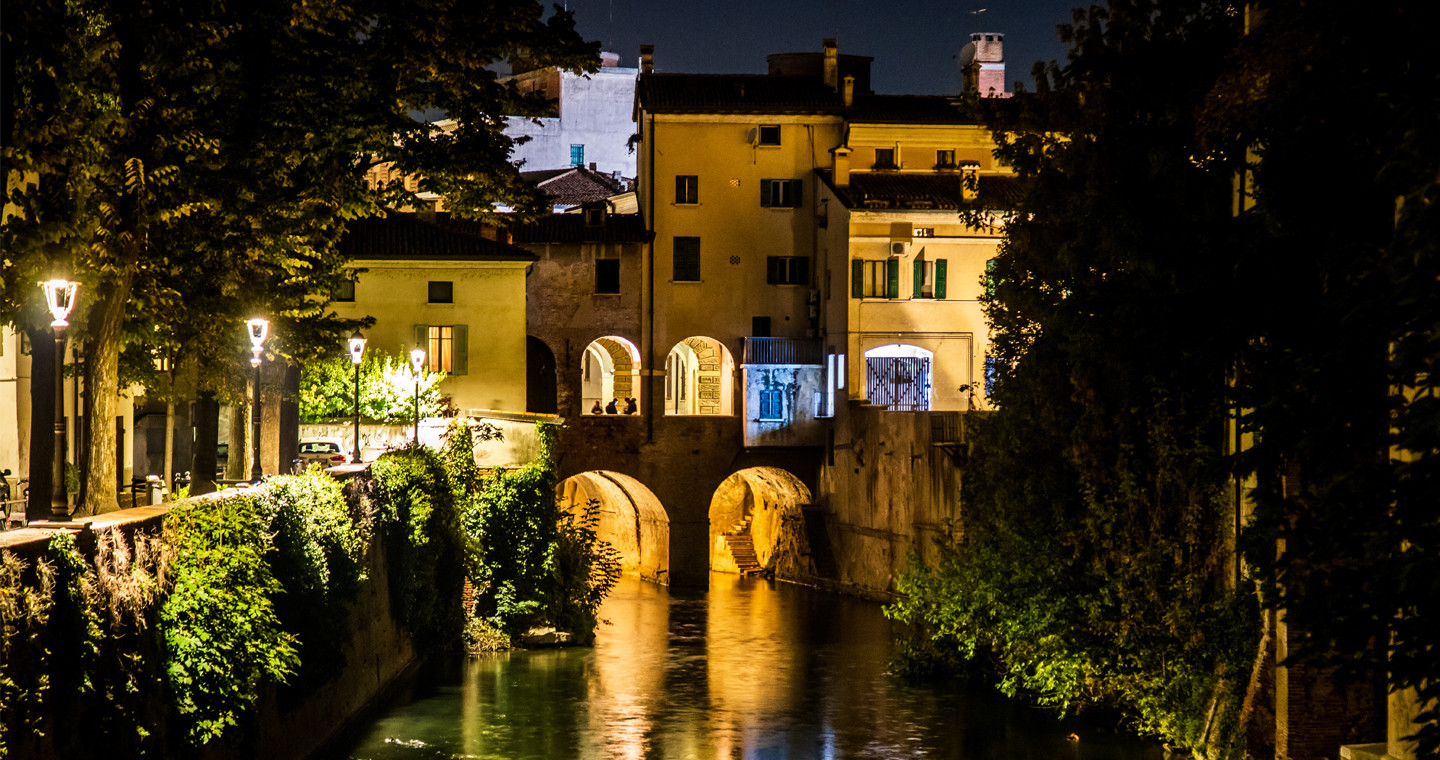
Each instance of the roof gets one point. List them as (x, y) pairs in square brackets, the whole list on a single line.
[(567, 228), (735, 93), (894, 190), (406, 236), (575, 185), (911, 109)]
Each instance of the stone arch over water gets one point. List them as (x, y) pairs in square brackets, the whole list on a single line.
[(757, 524), (632, 519)]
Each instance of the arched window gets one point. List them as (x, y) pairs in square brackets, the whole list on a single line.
[(610, 376), (699, 378)]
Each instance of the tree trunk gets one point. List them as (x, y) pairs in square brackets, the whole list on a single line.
[(239, 465), (207, 435), (42, 421), (102, 376)]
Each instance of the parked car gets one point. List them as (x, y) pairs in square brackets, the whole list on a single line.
[(326, 452)]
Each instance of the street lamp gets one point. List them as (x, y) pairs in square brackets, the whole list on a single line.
[(417, 361), (259, 328), (357, 350), (60, 297)]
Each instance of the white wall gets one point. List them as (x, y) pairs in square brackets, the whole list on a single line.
[(595, 112)]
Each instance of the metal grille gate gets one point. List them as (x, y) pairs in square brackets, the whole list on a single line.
[(900, 383)]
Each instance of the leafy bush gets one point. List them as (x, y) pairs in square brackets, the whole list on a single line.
[(222, 638), (586, 569), (387, 389), (424, 548), (318, 548)]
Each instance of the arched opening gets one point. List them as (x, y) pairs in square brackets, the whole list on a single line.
[(897, 377), (757, 524), (699, 378), (631, 518), (610, 377), (540, 381)]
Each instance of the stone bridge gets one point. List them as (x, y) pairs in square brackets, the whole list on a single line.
[(680, 495)]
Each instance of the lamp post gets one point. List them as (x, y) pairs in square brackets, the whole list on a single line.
[(60, 297), (357, 351), (259, 328), (417, 361)]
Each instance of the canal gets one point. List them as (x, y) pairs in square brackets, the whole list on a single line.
[(747, 669)]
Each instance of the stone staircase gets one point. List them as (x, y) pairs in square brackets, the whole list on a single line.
[(742, 548)]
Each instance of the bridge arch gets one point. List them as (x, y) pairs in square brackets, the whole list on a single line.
[(757, 524), (632, 519)]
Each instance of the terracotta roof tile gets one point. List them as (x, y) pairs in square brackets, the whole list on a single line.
[(735, 93), (575, 185), (567, 228), (879, 190), (407, 236)]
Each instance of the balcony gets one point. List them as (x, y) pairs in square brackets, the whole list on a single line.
[(783, 351)]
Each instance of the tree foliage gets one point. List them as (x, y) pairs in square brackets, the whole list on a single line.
[(171, 157), (387, 389)]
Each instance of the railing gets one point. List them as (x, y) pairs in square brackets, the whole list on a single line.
[(783, 351), (945, 428)]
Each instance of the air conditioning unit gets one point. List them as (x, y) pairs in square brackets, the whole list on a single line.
[(899, 248)]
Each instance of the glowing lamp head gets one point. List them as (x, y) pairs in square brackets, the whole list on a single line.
[(357, 347), (259, 328), (60, 297), (417, 358)]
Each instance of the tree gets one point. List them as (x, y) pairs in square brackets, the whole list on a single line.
[(1091, 562), (169, 155), (387, 389), (1337, 370)]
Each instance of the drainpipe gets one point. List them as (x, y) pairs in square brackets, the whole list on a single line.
[(649, 300)]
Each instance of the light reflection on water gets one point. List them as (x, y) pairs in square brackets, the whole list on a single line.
[(750, 670)]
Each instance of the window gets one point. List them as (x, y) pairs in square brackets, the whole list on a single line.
[(442, 291), (875, 279), (687, 260), (772, 404), (607, 276), (885, 158), (446, 347), (787, 270), (346, 292), (918, 232), (687, 188), (990, 279), (577, 155), (759, 327), (769, 134), (781, 193), (594, 217), (944, 159), (992, 374), (929, 279)]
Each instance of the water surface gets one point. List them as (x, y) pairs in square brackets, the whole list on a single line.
[(746, 670)]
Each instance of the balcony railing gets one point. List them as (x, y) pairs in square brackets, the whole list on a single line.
[(783, 351)]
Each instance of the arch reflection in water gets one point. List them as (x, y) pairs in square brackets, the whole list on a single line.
[(750, 670)]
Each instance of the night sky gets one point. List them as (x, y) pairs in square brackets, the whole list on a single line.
[(913, 42)]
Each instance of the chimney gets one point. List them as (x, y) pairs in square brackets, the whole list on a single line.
[(609, 60), (647, 59), (969, 180), (848, 94), (832, 65), (982, 65), (842, 166)]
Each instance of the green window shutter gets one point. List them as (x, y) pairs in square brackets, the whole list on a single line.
[(990, 278), (422, 339), (857, 278), (892, 278), (940, 278), (918, 292), (460, 360), (765, 193), (797, 192)]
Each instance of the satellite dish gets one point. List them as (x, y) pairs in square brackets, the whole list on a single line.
[(967, 54)]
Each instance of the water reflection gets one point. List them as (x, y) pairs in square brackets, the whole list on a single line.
[(750, 670)]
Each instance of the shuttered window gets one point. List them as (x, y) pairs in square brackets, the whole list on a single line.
[(687, 260), (447, 347)]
